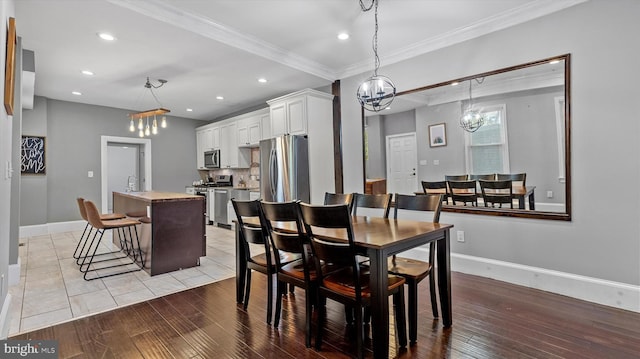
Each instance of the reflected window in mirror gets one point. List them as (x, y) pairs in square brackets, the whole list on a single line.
[(526, 130)]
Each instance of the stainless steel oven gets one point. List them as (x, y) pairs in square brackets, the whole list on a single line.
[(204, 191)]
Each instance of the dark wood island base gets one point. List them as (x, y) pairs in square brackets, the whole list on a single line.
[(172, 233)]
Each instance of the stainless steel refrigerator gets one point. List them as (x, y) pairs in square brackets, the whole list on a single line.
[(284, 169)]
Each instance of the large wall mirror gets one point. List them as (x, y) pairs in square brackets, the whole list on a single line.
[(526, 129)]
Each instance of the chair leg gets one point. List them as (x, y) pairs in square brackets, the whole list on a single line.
[(269, 297), (359, 332), (75, 253), (308, 310), (400, 315), (432, 292), (247, 288), (413, 310), (281, 291), (320, 321)]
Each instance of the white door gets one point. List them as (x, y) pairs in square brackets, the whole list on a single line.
[(402, 163), (123, 169)]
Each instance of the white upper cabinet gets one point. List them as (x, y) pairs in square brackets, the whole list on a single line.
[(249, 131), (200, 148), (291, 114), (215, 138), (265, 126)]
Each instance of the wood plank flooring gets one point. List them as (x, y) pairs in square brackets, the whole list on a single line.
[(491, 319)]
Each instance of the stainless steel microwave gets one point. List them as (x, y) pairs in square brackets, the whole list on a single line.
[(212, 159)]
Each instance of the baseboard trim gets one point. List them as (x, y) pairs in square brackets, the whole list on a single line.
[(605, 292), (13, 274), (5, 319), (50, 228)]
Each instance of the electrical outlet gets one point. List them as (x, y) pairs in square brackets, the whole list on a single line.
[(461, 236), (549, 194), (436, 162)]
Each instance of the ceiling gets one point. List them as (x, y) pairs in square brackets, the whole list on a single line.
[(210, 48)]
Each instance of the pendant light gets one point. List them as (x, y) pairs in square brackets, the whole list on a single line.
[(144, 115), (377, 92), (471, 119)]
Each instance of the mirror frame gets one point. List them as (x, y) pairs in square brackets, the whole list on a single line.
[(563, 216)]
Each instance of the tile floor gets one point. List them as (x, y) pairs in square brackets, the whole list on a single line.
[(52, 290)]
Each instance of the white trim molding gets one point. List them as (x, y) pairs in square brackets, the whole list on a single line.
[(600, 291)]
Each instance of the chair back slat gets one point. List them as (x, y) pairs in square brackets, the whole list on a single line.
[(339, 198), (513, 177), (427, 203), (284, 212)]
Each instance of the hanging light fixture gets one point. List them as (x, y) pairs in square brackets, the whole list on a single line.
[(147, 130), (377, 92), (471, 119)]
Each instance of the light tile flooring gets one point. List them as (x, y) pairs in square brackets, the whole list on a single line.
[(52, 290)]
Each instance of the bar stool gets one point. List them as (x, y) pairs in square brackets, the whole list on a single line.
[(120, 225), (83, 239)]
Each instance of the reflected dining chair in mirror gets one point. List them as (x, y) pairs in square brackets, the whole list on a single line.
[(487, 177), (346, 281), (497, 192), (339, 198), (456, 177), (519, 179), (463, 191), (436, 187), (287, 243), (255, 234), (413, 270), (374, 201)]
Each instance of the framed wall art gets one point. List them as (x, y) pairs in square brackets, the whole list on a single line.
[(10, 65), (33, 155), (437, 135)]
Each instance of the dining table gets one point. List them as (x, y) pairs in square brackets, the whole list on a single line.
[(378, 238)]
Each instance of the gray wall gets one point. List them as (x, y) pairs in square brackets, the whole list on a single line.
[(73, 133), (601, 241)]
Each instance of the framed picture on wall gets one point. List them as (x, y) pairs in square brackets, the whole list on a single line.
[(437, 135), (33, 155), (9, 67)]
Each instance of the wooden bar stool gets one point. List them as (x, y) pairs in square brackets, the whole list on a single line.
[(121, 226)]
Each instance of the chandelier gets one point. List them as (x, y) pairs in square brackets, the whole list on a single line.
[(471, 119), (377, 92), (143, 127)]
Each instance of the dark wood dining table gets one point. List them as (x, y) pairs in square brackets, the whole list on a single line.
[(379, 238)]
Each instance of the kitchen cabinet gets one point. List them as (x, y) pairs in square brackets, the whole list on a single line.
[(249, 131), (207, 139), (200, 143), (232, 156), (265, 126)]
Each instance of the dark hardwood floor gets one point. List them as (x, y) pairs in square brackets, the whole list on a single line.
[(491, 319)]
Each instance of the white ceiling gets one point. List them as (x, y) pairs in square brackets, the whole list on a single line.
[(209, 48)]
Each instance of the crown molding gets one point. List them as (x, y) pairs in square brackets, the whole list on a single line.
[(500, 21)]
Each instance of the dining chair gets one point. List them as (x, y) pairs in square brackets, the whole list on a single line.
[(375, 201), (497, 192), (436, 187), (487, 177), (339, 198), (254, 234), (514, 177), (128, 249), (463, 191), (300, 273), (456, 177), (86, 235), (340, 275), (413, 270)]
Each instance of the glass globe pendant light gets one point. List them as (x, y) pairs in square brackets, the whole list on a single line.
[(377, 92), (471, 119)]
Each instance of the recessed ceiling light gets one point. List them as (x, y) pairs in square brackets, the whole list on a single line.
[(219, 98), (262, 80), (105, 36), (189, 110), (455, 83), (343, 36), (552, 62), (87, 72), (77, 93)]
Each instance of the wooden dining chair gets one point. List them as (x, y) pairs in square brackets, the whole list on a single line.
[(497, 192), (456, 177), (339, 198), (519, 178), (130, 250), (300, 273), (487, 177), (376, 201), (463, 191), (436, 187), (340, 276), (264, 262), (413, 270)]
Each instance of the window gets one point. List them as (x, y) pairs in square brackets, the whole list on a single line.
[(487, 150)]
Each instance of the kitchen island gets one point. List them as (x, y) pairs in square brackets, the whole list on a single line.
[(172, 233)]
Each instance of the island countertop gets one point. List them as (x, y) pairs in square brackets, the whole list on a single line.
[(157, 196)]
